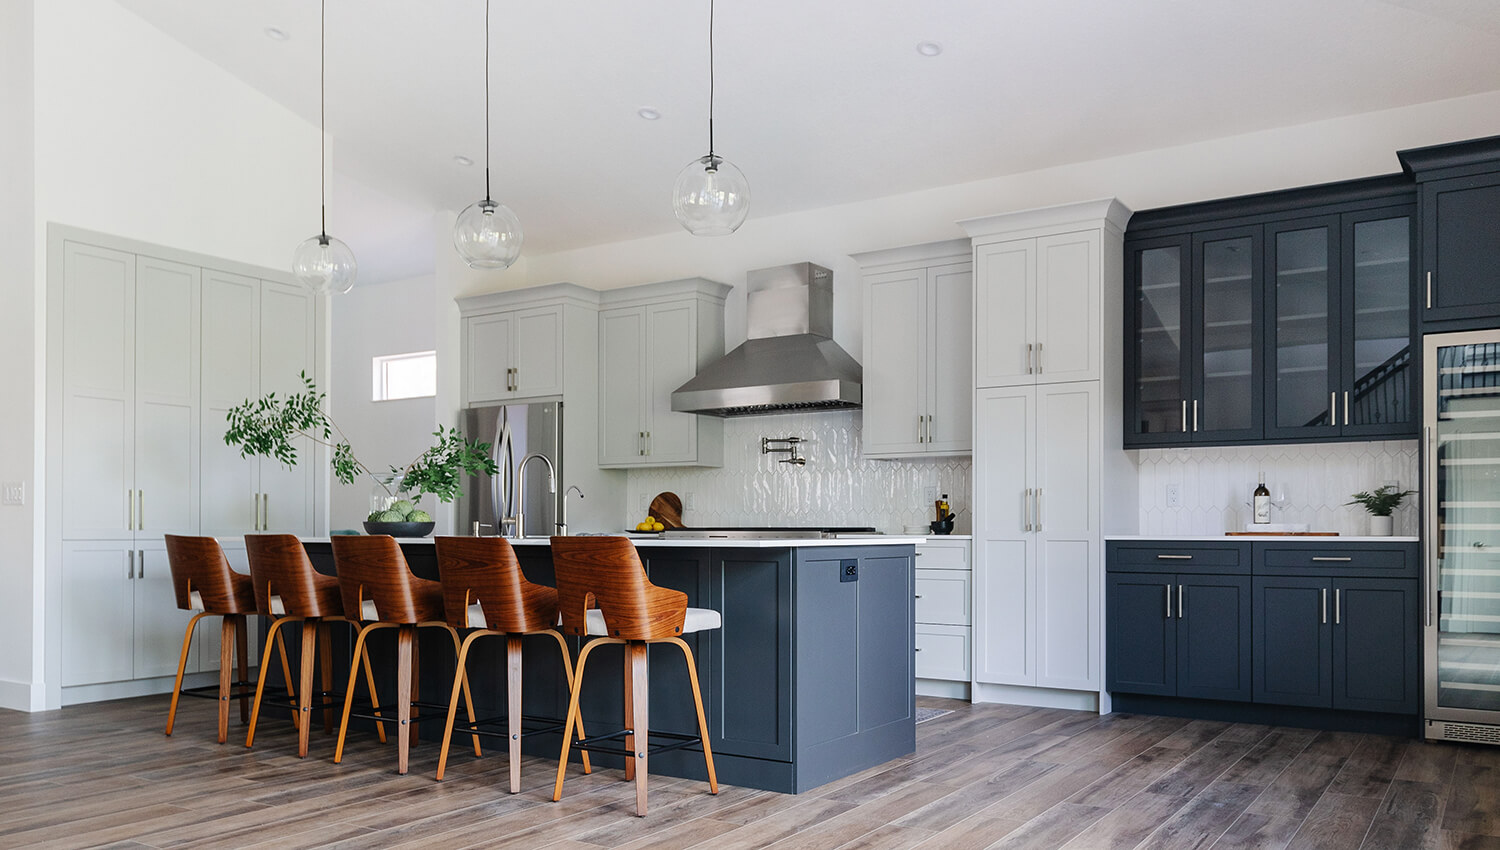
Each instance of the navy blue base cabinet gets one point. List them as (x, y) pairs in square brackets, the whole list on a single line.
[(1269, 632)]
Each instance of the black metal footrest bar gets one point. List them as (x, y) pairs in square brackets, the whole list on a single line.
[(677, 741), (281, 698), (366, 710), (465, 727), (238, 690)]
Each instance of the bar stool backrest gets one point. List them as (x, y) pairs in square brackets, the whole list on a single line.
[(606, 572), (279, 567), (485, 570), (199, 567), (372, 569)]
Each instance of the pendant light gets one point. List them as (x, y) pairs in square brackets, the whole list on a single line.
[(487, 235), (323, 263), (711, 196)]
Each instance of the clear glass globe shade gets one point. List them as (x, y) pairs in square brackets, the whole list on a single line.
[(711, 197), (324, 264), (488, 235)]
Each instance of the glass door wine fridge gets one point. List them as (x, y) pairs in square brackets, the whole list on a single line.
[(1461, 535)]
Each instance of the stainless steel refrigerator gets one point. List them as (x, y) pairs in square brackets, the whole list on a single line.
[(1461, 535), (515, 431)]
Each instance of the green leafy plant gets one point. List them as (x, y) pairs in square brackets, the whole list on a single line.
[(270, 425), (1381, 501)]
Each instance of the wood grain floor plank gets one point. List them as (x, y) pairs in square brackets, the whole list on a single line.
[(1468, 841), (1429, 761), (1257, 832), (1409, 818), (1128, 825), (972, 833), (1370, 767), (1205, 817), (1297, 790), (1336, 822), (1473, 805), (1052, 828)]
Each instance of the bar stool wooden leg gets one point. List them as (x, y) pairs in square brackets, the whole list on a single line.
[(640, 721), (358, 656), (562, 645), (187, 642), (305, 683), (576, 687), (273, 636), (405, 692), (325, 660), (708, 756), (463, 659), (629, 702), (374, 696), (513, 707), (226, 673)]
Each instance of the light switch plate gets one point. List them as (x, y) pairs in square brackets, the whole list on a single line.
[(14, 493)]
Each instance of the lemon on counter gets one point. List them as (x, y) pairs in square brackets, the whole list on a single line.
[(656, 526)]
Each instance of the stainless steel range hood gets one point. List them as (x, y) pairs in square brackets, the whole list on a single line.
[(789, 361)]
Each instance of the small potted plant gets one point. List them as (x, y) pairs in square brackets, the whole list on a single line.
[(1380, 502), (267, 427)]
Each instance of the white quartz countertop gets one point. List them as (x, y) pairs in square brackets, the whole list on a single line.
[(713, 542), (1259, 538)]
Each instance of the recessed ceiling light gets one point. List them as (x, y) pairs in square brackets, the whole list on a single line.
[(929, 48), (462, 160), (648, 113), (276, 34)]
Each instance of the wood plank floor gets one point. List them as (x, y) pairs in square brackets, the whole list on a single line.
[(983, 777)]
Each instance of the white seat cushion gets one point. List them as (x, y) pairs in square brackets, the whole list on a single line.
[(476, 617), (195, 601), (277, 608), (697, 620), (367, 610)]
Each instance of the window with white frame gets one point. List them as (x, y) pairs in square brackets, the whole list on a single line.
[(411, 375)]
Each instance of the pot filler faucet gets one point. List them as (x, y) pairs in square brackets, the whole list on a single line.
[(520, 517), (562, 520)]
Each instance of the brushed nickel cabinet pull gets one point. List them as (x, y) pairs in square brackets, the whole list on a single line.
[(1429, 290), (130, 503), (1334, 558), (1026, 508), (1333, 409), (1323, 592), (1039, 358), (1429, 527), (1337, 616), (1174, 557), (1179, 602), (1169, 600), (140, 568), (1028, 359), (1038, 509), (1184, 416), (265, 511), (130, 571), (140, 510), (1346, 407), (1195, 415)]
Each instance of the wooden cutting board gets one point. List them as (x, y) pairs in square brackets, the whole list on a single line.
[(667, 509)]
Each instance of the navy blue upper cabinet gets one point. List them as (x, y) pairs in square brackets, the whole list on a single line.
[(1460, 246), (1299, 321)]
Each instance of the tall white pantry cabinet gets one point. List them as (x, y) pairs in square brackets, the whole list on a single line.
[(1050, 477), (154, 345)]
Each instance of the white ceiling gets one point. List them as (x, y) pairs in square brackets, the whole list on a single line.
[(819, 102)]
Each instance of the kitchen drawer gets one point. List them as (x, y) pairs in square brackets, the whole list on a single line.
[(943, 652), (1188, 556), (944, 555), (1394, 560), (943, 597)]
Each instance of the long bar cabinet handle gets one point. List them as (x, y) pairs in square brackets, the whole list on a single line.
[(140, 510), (1169, 600), (1038, 509), (1346, 407), (130, 570), (1184, 416), (1429, 523), (1028, 359), (130, 504), (140, 563), (1195, 416), (1179, 602), (265, 511), (1343, 559), (1039, 358), (1323, 597), (1333, 409), (1026, 508), (1160, 557), (1337, 616), (1429, 290)]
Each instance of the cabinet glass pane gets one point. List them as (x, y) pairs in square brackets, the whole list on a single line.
[(1302, 328), (1228, 335), (1467, 385), (1158, 341), (1382, 323)]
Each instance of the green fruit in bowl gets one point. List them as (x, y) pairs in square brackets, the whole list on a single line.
[(389, 516), (374, 516), (419, 516), (402, 507)]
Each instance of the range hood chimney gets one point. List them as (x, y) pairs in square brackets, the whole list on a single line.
[(789, 361)]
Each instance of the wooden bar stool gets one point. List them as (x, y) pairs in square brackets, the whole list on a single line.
[(485, 590), (204, 583), (379, 590), (603, 593), (289, 589)]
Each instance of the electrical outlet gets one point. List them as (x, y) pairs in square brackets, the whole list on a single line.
[(14, 493), (1394, 484), (1174, 495), (687, 501), (642, 503), (931, 493)]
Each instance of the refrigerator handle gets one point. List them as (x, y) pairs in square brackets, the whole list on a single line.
[(500, 482), (1429, 530)]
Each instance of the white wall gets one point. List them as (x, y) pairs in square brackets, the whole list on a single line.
[(139, 137), (20, 379), (369, 322)]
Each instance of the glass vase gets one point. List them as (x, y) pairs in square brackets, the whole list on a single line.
[(386, 492)]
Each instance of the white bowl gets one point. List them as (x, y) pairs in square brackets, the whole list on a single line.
[(916, 529)]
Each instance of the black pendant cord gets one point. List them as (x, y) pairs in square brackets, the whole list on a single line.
[(323, 117), (488, 201), (710, 82)]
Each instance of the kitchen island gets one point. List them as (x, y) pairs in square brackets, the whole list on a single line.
[(811, 677)]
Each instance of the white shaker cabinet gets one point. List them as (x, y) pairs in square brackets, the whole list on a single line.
[(258, 338), (918, 350), (652, 340), (1038, 301), (943, 617), (515, 354), (1037, 581)]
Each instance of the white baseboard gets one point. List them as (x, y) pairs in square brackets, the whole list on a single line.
[(1037, 697), (942, 688), (22, 696), (79, 694)]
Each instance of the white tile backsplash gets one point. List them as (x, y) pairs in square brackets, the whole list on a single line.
[(837, 487), (1315, 480)]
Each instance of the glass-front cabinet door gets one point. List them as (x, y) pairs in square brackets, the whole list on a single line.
[(1377, 382), (1461, 505), (1302, 349), (1225, 401), (1158, 372)]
